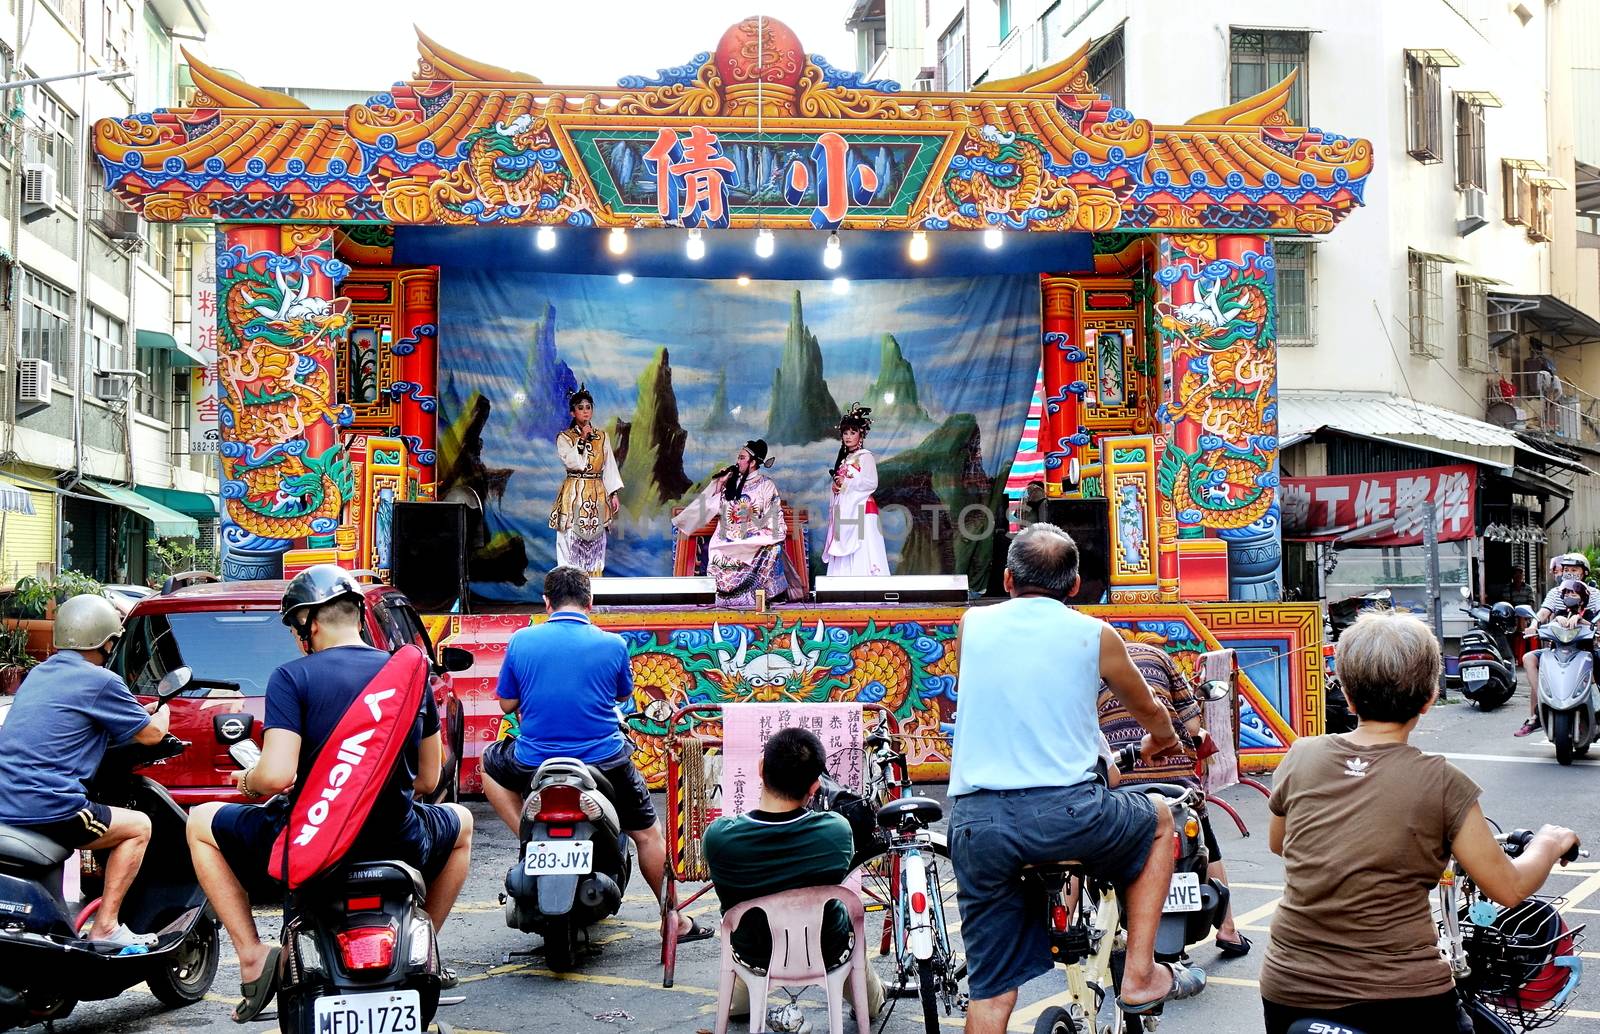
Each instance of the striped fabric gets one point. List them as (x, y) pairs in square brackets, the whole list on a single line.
[(1028, 465)]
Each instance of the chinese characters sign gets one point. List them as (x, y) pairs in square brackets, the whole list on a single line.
[(203, 432), (747, 727), (1383, 509)]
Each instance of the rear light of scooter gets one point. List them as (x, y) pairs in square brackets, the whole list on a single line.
[(1191, 828), (367, 947), (1058, 917), (1177, 845), (372, 904), (564, 804), (559, 832)]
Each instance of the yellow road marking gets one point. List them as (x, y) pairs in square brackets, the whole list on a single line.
[(1582, 892)]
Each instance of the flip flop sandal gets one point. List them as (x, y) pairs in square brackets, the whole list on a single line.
[(1234, 949), (1186, 983), (448, 978), (258, 992), (696, 932)]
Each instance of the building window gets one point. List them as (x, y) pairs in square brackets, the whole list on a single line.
[(71, 12), (154, 84), (104, 338), (158, 247), (1424, 134), (1472, 168), (1106, 68), (47, 323), (1541, 209), (1472, 322), (117, 19), (1425, 279), (1516, 190), (1049, 33), (1297, 280), (1005, 18), (1259, 60), (153, 396), (953, 57), (50, 139)]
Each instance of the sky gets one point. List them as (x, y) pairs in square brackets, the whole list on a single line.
[(362, 44)]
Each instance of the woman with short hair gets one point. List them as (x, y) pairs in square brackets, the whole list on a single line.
[(1366, 823)]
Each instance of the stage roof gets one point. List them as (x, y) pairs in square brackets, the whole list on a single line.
[(753, 133)]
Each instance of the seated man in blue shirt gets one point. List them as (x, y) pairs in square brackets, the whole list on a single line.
[(305, 700), (564, 678), (67, 711), (784, 846)]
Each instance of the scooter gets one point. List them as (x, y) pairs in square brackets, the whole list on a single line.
[(574, 859), (1567, 694), (1341, 615), (1485, 660), (46, 968)]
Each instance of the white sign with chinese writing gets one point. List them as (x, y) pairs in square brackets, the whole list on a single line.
[(204, 433), (746, 728)]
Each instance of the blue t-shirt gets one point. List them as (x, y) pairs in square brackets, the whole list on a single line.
[(308, 695), (567, 677), (66, 712)]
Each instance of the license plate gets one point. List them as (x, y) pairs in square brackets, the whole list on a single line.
[(381, 1012), (1476, 673), (558, 857), (1183, 894)]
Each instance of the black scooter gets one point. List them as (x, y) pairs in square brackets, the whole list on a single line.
[(45, 967), (574, 859), (1486, 661)]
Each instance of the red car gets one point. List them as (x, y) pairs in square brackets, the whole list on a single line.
[(231, 635)]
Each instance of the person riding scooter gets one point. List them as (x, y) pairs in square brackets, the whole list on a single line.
[(305, 700), (67, 712), (1568, 567)]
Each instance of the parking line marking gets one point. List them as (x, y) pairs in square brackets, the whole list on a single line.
[(1582, 892), (1513, 759)]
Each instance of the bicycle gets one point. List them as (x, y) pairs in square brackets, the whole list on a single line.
[(905, 872)]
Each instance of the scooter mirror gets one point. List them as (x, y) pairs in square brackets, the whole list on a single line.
[(1466, 593), (172, 683), (1216, 689)]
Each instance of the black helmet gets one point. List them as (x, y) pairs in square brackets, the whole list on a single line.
[(316, 586), (1503, 615)]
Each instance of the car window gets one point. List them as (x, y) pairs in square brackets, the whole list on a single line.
[(231, 651), (406, 617), (394, 633)]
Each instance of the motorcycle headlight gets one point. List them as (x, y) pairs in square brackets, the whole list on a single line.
[(421, 942)]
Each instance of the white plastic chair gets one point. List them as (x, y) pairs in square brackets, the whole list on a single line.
[(795, 919)]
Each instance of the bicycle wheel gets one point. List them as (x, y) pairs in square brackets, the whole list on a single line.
[(928, 987), (877, 875)]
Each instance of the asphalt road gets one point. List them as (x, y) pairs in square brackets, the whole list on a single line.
[(620, 987)]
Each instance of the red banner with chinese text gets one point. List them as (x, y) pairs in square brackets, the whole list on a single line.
[(1381, 509)]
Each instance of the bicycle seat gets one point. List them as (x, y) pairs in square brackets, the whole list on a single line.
[(924, 810)]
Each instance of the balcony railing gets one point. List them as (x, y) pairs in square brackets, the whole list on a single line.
[(1546, 405)]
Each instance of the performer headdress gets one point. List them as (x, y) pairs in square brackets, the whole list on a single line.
[(734, 479), (581, 394), (859, 418)]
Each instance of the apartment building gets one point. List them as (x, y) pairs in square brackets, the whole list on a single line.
[(1454, 319), (97, 334)]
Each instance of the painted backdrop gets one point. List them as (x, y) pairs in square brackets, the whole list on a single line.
[(683, 372)]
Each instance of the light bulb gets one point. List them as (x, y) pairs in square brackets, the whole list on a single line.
[(619, 240), (545, 238), (833, 254), (624, 278), (918, 249), (992, 238), (696, 246), (743, 281), (840, 285), (764, 243)]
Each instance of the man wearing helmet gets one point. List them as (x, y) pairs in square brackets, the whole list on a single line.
[(67, 712), (1569, 567), (305, 700)]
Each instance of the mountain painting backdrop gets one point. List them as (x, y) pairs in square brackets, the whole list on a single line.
[(684, 372)]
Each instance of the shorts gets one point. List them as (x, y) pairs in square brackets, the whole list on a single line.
[(994, 833), (80, 829), (629, 794), (245, 834)]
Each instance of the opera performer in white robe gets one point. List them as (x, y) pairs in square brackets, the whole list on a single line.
[(745, 554), (855, 537)]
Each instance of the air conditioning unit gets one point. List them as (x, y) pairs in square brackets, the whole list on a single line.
[(1502, 322), (120, 224), (110, 387), (39, 186), (33, 381), (1475, 207)]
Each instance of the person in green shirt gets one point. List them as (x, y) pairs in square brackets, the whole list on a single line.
[(784, 846)]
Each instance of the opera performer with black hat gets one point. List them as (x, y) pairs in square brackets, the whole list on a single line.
[(588, 498), (745, 555)]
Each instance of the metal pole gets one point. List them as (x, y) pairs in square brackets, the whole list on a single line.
[(1430, 542)]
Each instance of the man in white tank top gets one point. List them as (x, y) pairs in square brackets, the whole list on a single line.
[(1023, 781)]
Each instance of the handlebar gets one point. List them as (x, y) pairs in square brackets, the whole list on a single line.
[(1517, 840)]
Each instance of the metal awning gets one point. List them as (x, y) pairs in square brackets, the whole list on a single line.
[(182, 354), (1403, 421), (168, 524), (15, 500), (1569, 324), (1482, 98), (195, 504)]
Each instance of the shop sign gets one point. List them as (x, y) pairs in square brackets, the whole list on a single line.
[(1381, 509)]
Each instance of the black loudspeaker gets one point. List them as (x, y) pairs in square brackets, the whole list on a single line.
[(1088, 522), (429, 559)]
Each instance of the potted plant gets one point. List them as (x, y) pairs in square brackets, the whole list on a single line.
[(31, 606), (14, 657)]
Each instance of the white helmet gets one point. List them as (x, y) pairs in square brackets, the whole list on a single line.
[(86, 622)]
